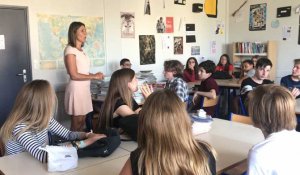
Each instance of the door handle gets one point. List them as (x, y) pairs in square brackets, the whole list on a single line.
[(24, 75)]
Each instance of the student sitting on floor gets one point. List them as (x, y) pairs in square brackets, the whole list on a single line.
[(272, 109), (165, 122), (292, 82), (31, 118), (247, 70), (173, 74), (263, 68), (208, 87)]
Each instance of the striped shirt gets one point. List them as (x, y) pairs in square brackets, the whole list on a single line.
[(31, 141), (179, 86)]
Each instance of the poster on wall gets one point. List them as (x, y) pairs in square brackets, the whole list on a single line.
[(195, 50), (147, 49), (178, 45), (160, 25), (165, 26), (127, 25), (169, 25), (258, 16)]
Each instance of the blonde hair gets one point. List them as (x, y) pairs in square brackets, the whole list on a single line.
[(272, 108), (34, 106), (164, 121), (118, 89)]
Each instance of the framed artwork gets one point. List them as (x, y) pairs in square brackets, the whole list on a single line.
[(180, 2), (147, 49), (178, 45), (258, 17)]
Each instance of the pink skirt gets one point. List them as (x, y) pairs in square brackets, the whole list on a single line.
[(78, 100)]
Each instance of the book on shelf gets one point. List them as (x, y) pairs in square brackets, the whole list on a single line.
[(250, 47)]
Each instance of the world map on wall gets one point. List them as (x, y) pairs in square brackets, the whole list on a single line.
[(53, 38)]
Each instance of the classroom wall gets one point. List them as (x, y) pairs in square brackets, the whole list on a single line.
[(287, 50), (117, 47), (145, 25)]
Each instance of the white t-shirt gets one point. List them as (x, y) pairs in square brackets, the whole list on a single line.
[(277, 155)]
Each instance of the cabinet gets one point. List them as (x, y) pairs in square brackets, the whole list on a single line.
[(246, 50)]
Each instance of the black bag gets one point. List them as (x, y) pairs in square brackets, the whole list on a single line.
[(129, 124), (102, 147), (221, 75)]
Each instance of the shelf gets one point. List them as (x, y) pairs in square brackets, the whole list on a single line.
[(250, 54)]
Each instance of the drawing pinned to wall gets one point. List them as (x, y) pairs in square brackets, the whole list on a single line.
[(147, 9), (127, 25), (147, 49), (275, 23), (286, 32), (220, 27), (180, 2), (258, 16), (195, 50), (178, 45), (213, 47), (160, 25)]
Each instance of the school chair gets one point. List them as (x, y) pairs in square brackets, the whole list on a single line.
[(242, 107), (240, 119), (207, 102)]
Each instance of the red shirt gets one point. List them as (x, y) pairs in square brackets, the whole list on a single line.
[(189, 77), (222, 68)]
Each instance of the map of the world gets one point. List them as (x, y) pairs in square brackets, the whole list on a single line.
[(53, 38)]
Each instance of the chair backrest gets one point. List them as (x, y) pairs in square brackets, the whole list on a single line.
[(242, 106), (207, 102), (241, 119)]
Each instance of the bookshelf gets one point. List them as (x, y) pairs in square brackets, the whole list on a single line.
[(246, 50)]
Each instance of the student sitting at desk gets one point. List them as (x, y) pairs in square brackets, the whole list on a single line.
[(119, 109), (292, 82), (190, 73), (173, 74), (247, 70), (208, 87), (30, 120), (125, 63), (263, 68), (224, 65), (165, 122), (272, 109)]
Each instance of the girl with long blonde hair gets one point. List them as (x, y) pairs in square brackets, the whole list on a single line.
[(31, 118), (165, 141)]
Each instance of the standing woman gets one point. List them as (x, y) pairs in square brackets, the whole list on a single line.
[(78, 100), (224, 65), (190, 73), (165, 122)]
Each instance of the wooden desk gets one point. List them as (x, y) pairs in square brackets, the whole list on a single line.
[(231, 140), (229, 83)]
